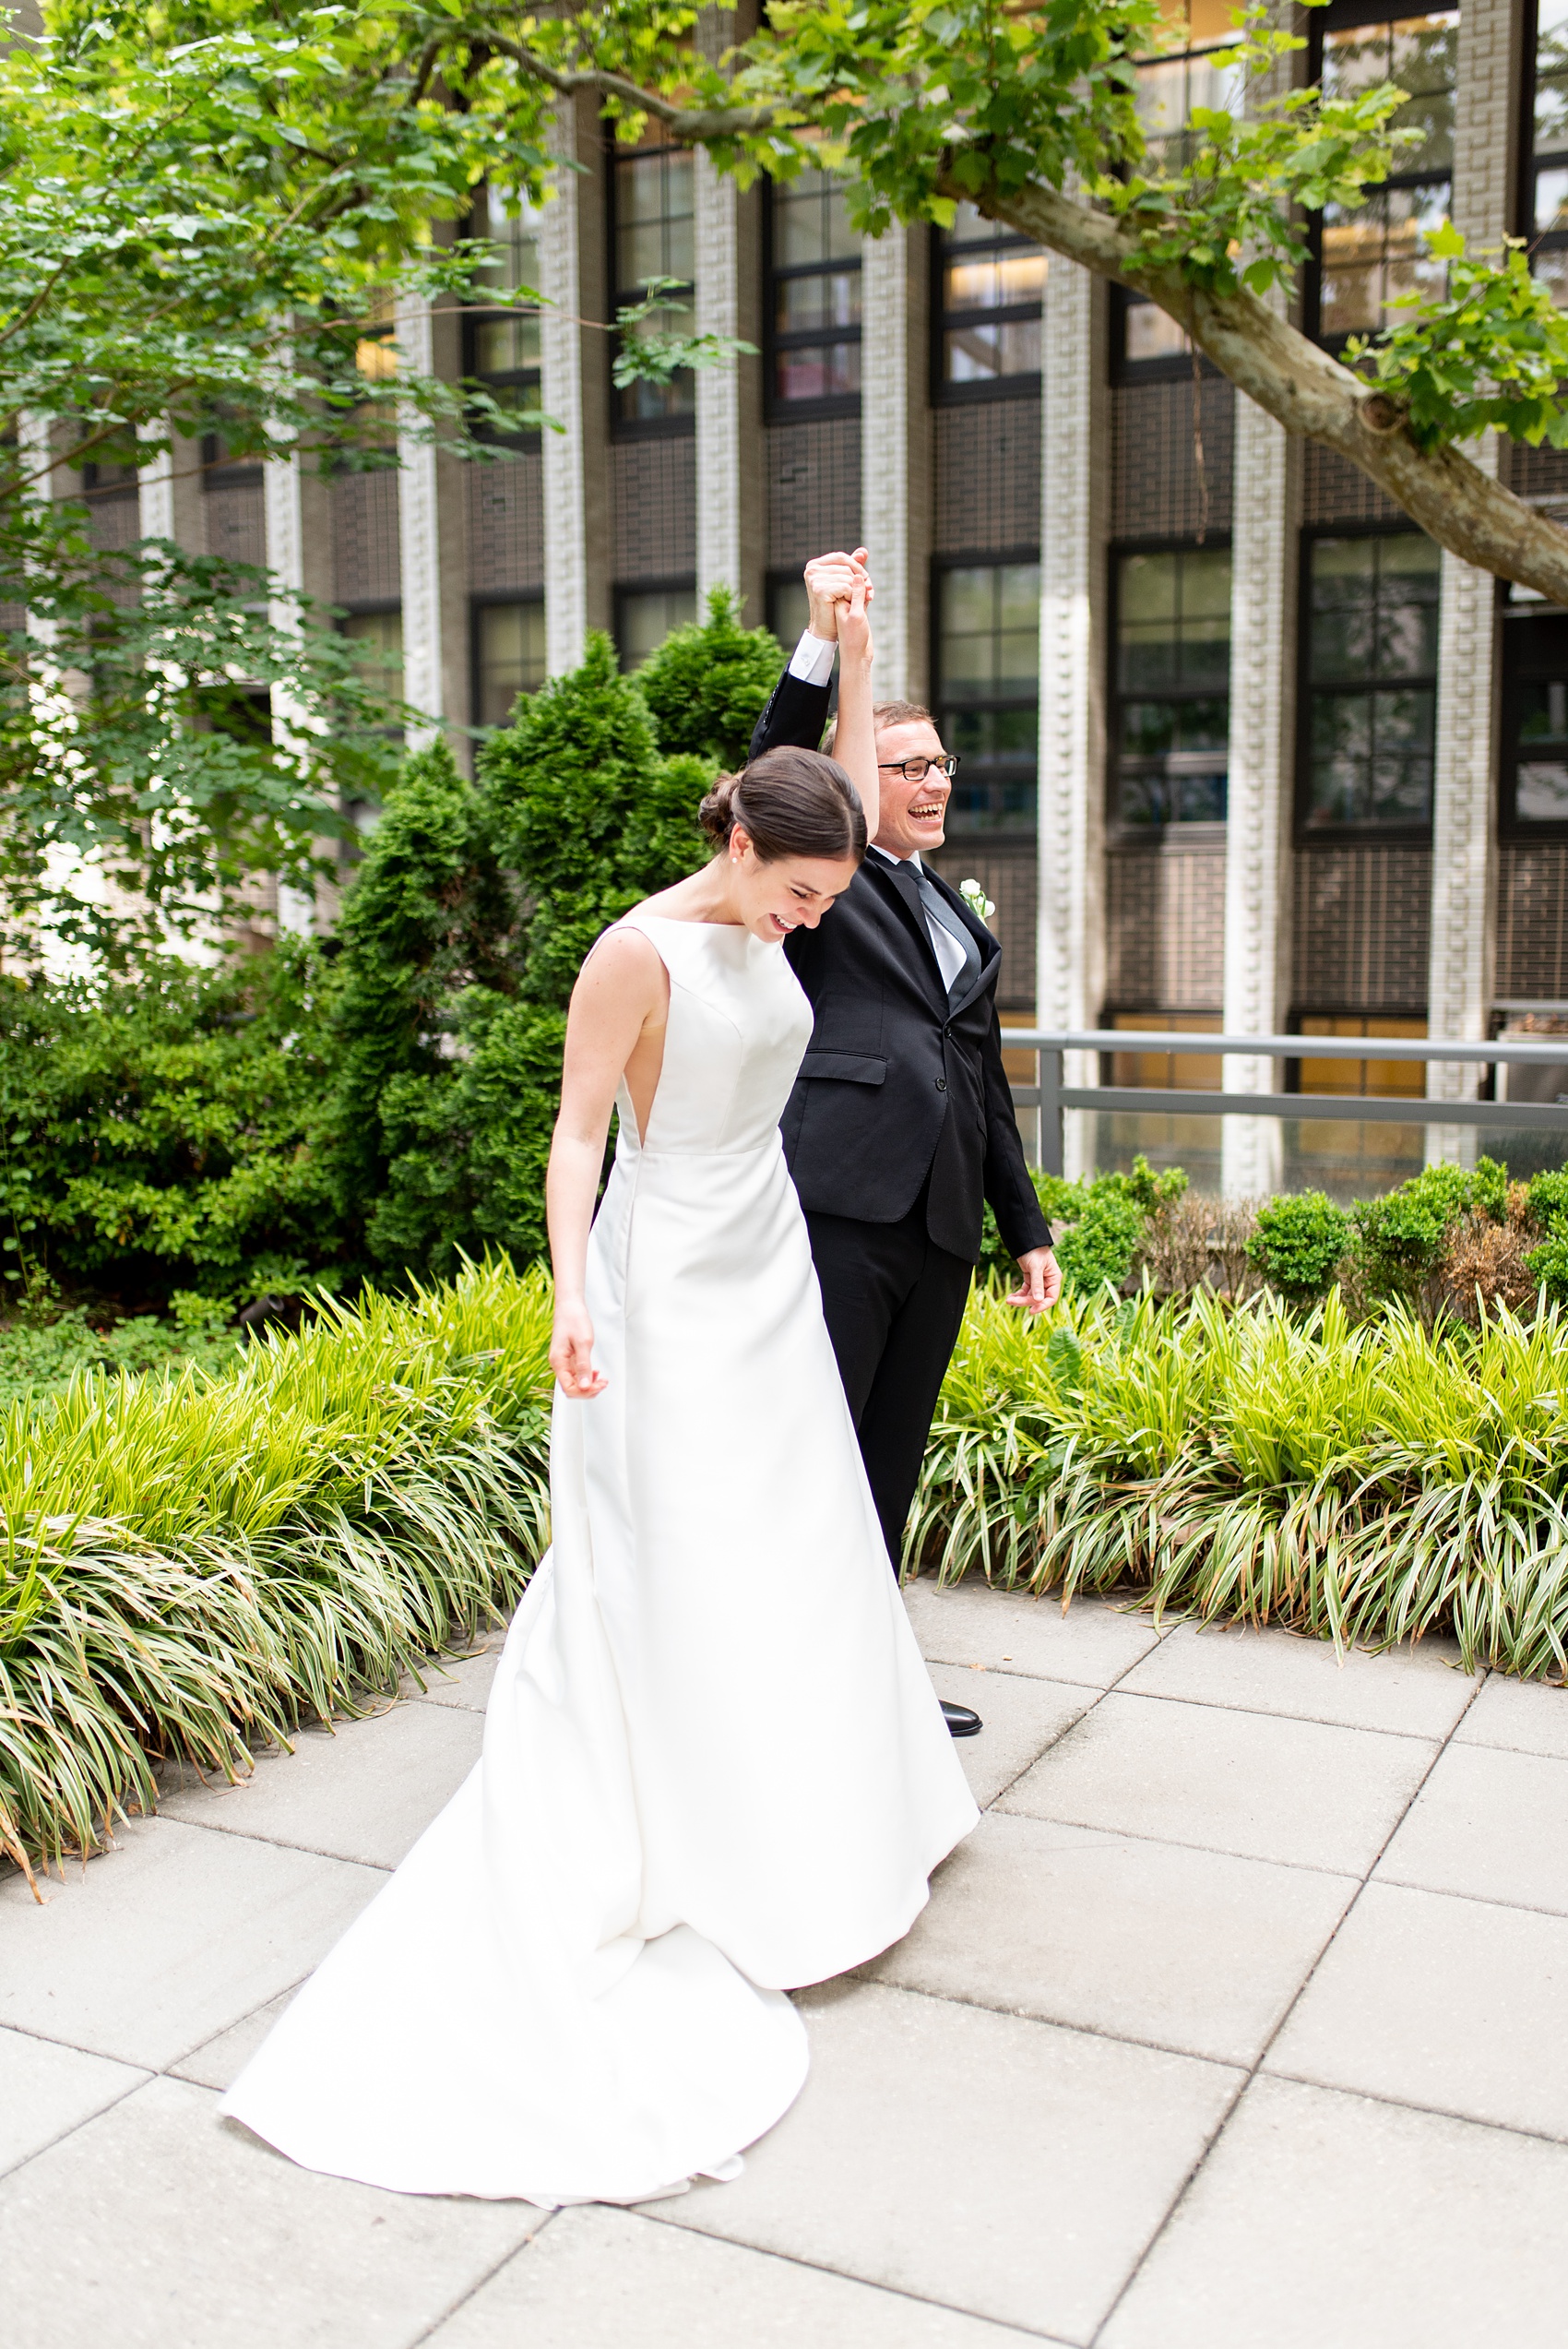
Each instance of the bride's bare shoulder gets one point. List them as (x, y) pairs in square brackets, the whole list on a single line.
[(622, 961)]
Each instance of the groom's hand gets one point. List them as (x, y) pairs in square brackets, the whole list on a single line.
[(829, 580), (1041, 1282)]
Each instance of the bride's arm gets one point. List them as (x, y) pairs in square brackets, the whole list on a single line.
[(621, 989), (854, 737)]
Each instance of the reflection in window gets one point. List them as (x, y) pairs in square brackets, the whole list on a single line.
[(816, 291), (504, 347), (1167, 89), (509, 658), (1535, 722), (1549, 148), (646, 616), (1173, 705), (1372, 681), (991, 284), (988, 669), (1375, 252), (654, 198)]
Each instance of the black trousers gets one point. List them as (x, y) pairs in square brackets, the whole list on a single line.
[(894, 1303)]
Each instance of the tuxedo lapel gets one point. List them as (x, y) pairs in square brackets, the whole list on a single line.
[(899, 883)]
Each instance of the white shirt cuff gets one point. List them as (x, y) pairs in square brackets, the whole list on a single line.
[(811, 660)]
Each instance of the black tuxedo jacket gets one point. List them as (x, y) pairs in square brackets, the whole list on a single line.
[(898, 1085)]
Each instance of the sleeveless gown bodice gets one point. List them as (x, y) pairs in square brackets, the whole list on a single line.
[(714, 1768)]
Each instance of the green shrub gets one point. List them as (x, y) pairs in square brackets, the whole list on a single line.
[(1400, 1238), (1300, 1240), (1103, 1244), (708, 684)]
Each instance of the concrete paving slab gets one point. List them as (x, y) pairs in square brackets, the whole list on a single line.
[(1195, 1951), (46, 2089), (1489, 1824), (1321, 2221), (1430, 2001), (1416, 1691), (600, 2279), (1294, 1791), (219, 2061), (462, 1681), (1526, 1716), (1004, 2167), (969, 1623), (158, 2224), (171, 1937), (1021, 1717), (365, 1792)]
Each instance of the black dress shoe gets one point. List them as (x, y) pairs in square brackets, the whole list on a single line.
[(961, 1720)]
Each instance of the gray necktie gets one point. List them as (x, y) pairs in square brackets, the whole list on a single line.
[(938, 910)]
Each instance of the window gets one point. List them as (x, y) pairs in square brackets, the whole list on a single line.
[(815, 261), (1534, 768), (987, 668), (1546, 198), (379, 635), (788, 608), (1373, 252), (509, 657), (1370, 673), (503, 347), (1170, 703), (653, 194), (1168, 89), (645, 617), (988, 327)]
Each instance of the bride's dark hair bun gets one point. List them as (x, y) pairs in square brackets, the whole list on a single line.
[(789, 803)]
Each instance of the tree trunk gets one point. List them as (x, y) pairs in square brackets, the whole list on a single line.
[(1309, 393)]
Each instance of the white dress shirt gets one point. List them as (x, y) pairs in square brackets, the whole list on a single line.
[(950, 955), (811, 660)]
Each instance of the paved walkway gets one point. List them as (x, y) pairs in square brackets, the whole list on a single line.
[(1239, 2023)]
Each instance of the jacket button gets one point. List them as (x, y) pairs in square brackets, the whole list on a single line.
[(942, 1084)]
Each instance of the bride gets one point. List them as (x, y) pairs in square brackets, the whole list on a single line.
[(714, 1768)]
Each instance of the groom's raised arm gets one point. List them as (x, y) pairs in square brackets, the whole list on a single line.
[(796, 708)]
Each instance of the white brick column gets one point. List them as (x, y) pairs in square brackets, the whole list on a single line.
[(895, 460), (283, 512), (1257, 843), (1074, 474), (1464, 862), (561, 385), (419, 541), (716, 307)]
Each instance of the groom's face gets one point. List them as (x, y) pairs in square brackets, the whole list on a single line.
[(914, 813)]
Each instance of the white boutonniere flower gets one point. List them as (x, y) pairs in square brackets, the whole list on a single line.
[(975, 898)]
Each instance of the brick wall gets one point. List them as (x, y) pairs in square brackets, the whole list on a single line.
[(365, 538), (1157, 489), (236, 522), (1165, 922), (987, 476), (1008, 876), (814, 489), (1532, 920), (653, 499), (1361, 928), (1333, 490), (506, 525)]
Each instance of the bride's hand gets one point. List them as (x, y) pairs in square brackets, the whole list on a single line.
[(571, 1353), (854, 621)]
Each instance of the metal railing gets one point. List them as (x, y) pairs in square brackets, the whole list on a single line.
[(1052, 1097)]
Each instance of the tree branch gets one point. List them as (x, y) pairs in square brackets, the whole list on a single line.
[(1310, 394), (692, 124)]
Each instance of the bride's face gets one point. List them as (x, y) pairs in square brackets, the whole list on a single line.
[(792, 894)]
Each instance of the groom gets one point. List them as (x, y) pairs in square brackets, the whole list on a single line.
[(901, 1124)]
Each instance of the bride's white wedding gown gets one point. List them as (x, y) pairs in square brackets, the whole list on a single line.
[(714, 1768)]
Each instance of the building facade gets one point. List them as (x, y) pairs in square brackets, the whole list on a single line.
[(1237, 743)]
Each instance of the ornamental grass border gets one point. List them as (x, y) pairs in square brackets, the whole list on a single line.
[(195, 1566), (1367, 1484)]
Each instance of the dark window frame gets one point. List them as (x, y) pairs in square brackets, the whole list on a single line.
[(944, 394), (975, 559), (1176, 367), (491, 600), (1119, 831), (683, 423), (1547, 239), (776, 273), (1305, 833), (1518, 623), (1348, 16), (500, 379)]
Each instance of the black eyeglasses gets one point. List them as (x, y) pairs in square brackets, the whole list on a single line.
[(915, 770)]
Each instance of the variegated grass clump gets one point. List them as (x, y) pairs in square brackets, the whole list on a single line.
[(194, 1565), (1366, 1483)]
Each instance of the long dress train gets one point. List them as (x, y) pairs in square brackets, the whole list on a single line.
[(714, 1768)]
